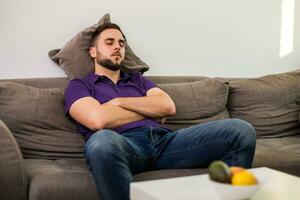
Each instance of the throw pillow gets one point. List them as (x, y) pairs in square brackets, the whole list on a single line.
[(197, 102), (37, 120), (75, 60), (270, 103)]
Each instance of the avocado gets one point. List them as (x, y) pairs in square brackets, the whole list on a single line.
[(219, 171)]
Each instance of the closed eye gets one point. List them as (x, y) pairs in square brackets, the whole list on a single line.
[(122, 43), (110, 42)]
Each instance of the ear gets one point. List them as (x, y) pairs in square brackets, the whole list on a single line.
[(93, 52)]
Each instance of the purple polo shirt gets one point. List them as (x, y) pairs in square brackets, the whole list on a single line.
[(103, 89)]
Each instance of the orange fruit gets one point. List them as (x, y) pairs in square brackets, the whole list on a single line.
[(236, 169), (243, 178)]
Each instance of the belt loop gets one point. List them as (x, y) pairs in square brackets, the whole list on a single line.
[(151, 135)]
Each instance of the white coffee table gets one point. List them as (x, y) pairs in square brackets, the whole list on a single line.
[(276, 185)]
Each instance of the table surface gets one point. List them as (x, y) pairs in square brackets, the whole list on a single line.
[(276, 186)]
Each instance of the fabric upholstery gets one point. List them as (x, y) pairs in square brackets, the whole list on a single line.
[(279, 153), (270, 103), (70, 178), (61, 179), (13, 178), (37, 120), (42, 83), (197, 102), (168, 173), (74, 56)]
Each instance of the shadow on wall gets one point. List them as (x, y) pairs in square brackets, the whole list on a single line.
[(288, 28), (289, 43), (281, 32)]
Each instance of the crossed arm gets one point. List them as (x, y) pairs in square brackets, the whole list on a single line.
[(119, 111)]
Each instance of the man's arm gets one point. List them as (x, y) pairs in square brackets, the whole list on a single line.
[(89, 112), (156, 104)]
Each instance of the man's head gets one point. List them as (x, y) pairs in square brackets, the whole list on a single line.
[(108, 46)]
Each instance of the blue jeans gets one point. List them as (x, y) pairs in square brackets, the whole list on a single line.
[(113, 158)]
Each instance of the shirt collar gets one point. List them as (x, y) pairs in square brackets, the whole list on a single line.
[(96, 77)]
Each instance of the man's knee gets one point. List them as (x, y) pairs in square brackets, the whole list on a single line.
[(102, 143), (245, 129)]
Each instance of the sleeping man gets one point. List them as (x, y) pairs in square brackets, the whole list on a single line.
[(121, 116)]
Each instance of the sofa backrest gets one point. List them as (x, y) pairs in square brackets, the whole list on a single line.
[(56, 82), (203, 90), (33, 110), (270, 103)]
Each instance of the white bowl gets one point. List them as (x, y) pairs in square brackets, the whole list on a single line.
[(233, 192)]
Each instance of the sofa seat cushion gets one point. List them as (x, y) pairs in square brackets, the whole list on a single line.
[(279, 153), (60, 180), (270, 103), (71, 179), (168, 173), (197, 102), (36, 118)]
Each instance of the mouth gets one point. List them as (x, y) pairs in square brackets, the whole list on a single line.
[(116, 54)]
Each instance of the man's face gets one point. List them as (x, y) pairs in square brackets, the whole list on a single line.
[(109, 51)]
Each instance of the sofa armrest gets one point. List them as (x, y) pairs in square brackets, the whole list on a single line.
[(13, 178)]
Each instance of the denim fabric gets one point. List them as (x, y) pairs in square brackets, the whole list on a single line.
[(113, 158)]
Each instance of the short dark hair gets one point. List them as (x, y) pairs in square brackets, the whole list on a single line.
[(103, 27)]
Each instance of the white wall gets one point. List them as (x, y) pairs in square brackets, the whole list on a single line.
[(233, 38)]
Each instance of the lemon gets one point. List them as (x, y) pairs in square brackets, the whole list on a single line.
[(243, 178)]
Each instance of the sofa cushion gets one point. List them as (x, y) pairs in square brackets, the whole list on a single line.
[(74, 56), (270, 103), (60, 179), (197, 102), (71, 179), (168, 173), (279, 153), (13, 178), (36, 118)]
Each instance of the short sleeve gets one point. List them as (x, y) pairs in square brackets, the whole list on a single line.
[(147, 84), (75, 90)]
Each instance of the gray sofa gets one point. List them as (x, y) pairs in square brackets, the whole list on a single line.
[(41, 152)]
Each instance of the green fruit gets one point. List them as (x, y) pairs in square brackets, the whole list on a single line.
[(219, 171)]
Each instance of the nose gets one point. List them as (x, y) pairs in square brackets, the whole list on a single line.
[(117, 46)]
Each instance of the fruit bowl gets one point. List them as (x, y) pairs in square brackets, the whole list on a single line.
[(234, 192)]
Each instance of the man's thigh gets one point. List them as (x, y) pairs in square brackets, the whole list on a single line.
[(198, 145), (112, 146)]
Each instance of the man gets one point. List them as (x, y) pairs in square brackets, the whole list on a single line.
[(120, 115)]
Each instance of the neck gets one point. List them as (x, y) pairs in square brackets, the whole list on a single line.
[(112, 75)]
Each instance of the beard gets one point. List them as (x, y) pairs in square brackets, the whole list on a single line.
[(108, 63)]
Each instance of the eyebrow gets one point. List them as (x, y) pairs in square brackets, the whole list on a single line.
[(111, 39)]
